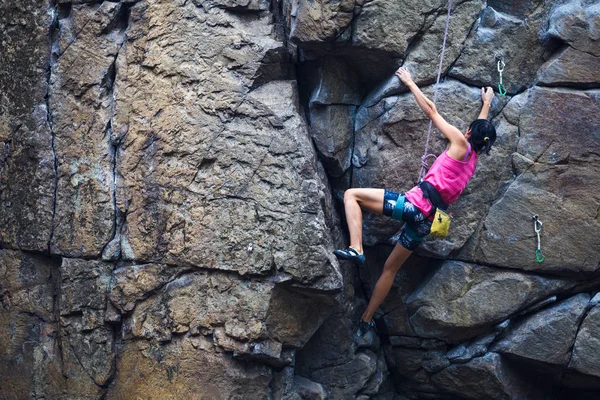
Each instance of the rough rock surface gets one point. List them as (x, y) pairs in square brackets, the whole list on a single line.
[(171, 185), (473, 297), (27, 160), (216, 163), (30, 354), (87, 341), (587, 340), (562, 150), (548, 335), (520, 42), (486, 377), (82, 78)]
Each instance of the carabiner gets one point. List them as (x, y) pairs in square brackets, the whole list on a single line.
[(539, 256), (501, 90), (537, 224), (501, 66), (537, 227)]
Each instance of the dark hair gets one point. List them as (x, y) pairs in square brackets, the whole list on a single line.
[(483, 135)]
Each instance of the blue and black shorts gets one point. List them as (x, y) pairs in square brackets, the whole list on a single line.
[(416, 226)]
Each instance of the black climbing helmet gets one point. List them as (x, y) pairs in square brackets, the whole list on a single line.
[(483, 135)]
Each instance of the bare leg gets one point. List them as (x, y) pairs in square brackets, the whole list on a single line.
[(354, 199), (385, 281)]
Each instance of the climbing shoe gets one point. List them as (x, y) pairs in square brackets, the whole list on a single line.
[(364, 328), (350, 254)]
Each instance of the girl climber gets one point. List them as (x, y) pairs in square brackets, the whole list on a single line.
[(447, 178)]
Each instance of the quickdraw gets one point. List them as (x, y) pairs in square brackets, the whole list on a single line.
[(537, 227), (501, 66)]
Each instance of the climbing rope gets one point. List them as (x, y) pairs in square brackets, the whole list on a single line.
[(424, 165), (501, 65), (537, 227)]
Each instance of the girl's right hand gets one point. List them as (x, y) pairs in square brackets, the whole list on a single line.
[(487, 95), (403, 74)]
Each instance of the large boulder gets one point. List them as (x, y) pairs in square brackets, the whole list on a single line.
[(318, 22), (423, 60), (584, 357), (245, 316), (461, 300), (394, 315), (571, 68), (187, 367), (215, 175), (577, 24), (346, 380), (188, 320), (548, 335), (333, 94), (377, 25), (332, 344), (334, 145), (518, 42), (414, 31), (487, 377)]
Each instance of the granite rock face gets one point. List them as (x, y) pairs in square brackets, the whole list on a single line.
[(548, 335), (587, 339), (469, 297), (27, 160), (88, 39), (560, 145), (171, 191), (30, 355), (486, 377), (216, 163)]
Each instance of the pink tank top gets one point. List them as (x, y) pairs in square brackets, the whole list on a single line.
[(448, 176)]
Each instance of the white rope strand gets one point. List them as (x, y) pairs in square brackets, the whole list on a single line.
[(424, 164)]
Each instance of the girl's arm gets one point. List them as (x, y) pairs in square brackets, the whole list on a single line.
[(455, 136), (487, 95)]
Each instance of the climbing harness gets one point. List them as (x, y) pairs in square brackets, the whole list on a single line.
[(537, 227), (424, 165), (501, 65)]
